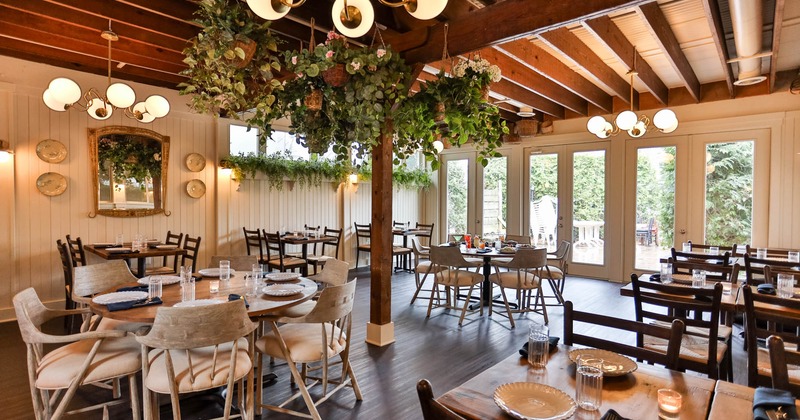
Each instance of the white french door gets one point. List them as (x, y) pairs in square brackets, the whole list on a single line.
[(458, 195)]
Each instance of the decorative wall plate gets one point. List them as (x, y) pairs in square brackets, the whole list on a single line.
[(51, 184), (51, 151), (195, 162), (196, 188)]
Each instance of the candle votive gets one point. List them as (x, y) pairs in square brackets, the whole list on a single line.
[(669, 404), (213, 286)]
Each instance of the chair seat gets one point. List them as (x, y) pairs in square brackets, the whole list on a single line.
[(509, 279), (364, 247), (425, 266), (476, 261), (304, 342), (288, 262), (765, 367), (319, 258), (202, 358), (693, 348), (115, 357), (458, 278), (555, 272), (400, 250), (723, 332)]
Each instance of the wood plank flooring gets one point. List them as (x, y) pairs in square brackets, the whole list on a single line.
[(435, 348)]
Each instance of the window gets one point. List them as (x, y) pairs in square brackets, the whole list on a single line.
[(242, 141)]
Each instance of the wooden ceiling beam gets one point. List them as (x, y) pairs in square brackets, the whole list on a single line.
[(609, 33), (178, 10), (777, 25), (567, 43), (502, 22), (520, 74), (518, 93), (718, 35), (659, 27), (548, 66)]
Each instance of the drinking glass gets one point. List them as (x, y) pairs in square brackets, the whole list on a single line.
[(120, 239), (793, 256), (251, 284), (714, 250), (187, 284), (785, 285), (213, 286), (224, 270), (666, 273), (669, 404), (698, 278), (468, 240), (154, 287), (136, 242), (589, 383), (538, 345), (502, 237), (761, 253), (686, 247)]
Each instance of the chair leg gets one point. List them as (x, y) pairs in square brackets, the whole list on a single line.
[(508, 308), (466, 304), (357, 254), (134, 396), (259, 359), (540, 295)]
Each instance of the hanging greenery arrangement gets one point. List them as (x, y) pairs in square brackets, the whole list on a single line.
[(130, 157)]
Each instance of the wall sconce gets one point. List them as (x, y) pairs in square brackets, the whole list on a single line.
[(353, 179), (5, 152)]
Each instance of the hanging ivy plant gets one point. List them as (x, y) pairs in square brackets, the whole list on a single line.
[(130, 157)]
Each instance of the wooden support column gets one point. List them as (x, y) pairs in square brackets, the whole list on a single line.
[(380, 329)]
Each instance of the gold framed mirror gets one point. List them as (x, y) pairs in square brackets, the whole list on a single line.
[(129, 171)]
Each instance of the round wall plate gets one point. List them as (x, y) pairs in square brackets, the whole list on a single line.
[(196, 188), (195, 162), (51, 151), (51, 184)]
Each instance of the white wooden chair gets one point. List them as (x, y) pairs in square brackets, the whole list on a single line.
[(525, 274), (89, 280), (452, 272)]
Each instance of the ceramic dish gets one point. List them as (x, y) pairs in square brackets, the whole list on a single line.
[(196, 188), (614, 364), (51, 184), (532, 401), (213, 272), (166, 246), (196, 303), (282, 289), (118, 297), (165, 280), (51, 151), (195, 162), (282, 276)]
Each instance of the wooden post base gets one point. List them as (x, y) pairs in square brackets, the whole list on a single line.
[(380, 335)]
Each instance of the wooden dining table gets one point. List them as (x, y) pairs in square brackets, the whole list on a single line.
[(633, 395), (734, 401), (305, 240), (141, 256), (730, 295)]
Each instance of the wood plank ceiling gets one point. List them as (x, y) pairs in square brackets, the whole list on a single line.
[(563, 59)]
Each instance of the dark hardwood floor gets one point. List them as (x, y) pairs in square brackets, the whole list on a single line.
[(435, 348)]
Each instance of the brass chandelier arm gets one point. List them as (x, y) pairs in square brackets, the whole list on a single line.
[(280, 5), (410, 5)]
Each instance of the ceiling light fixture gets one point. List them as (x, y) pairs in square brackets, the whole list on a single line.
[(353, 18), (5, 152), (63, 93), (664, 120)]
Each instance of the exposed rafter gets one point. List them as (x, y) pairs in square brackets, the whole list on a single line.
[(777, 25), (718, 35)]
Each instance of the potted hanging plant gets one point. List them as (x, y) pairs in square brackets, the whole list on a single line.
[(231, 64), (478, 71)]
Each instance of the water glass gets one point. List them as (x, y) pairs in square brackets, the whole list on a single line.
[(224, 270), (538, 345), (187, 290), (185, 273), (666, 273), (136, 242), (698, 278), (793, 256), (714, 250), (251, 282), (120, 239), (686, 247), (669, 404), (589, 383), (785, 285), (761, 253), (213, 286), (154, 287)]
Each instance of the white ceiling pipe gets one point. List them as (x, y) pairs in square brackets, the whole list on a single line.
[(748, 24)]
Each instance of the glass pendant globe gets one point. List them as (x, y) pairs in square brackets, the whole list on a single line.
[(670, 129), (606, 131), (596, 124), (626, 120), (426, 9), (51, 102), (353, 28), (638, 129), (141, 114), (5, 156), (120, 95), (269, 9), (99, 110), (665, 119), (157, 106), (65, 90), (438, 146)]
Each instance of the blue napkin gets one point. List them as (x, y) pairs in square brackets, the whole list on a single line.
[(483, 251), (553, 346), (769, 400), (133, 289), (612, 415), (766, 289), (121, 306), (656, 278), (234, 296)]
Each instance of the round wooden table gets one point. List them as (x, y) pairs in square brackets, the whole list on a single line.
[(259, 305)]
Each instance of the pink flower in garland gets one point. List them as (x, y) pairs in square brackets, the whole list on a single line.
[(294, 59), (381, 52), (329, 54), (356, 65)]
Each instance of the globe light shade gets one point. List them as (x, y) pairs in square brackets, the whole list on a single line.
[(141, 113), (99, 110), (638, 129), (269, 9), (52, 103), (438, 146), (5, 156), (361, 15), (665, 119), (626, 120), (120, 95), (606, 131), (426, 9), (596, 124), (65, 90), (670, 129), (157, 105)]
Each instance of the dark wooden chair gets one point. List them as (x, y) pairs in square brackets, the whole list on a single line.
[(764, 316), (426, 232), (318, 259), (363, 236), (167, 268), (754, 267), (254, 240), (66, 265), (192, 248), (701, 258), (432, 409), (771, 273), (76, 251), (672, 335), (772, 253), (699, 309), (648, 234), (276, 256), (780, 359), (703, 248)]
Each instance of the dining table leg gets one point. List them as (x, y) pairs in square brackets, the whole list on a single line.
[(304, 269)]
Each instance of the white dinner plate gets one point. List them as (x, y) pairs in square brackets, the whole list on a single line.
[(614, 364), (213, 272), (165, 280), (282, 276), (282, 289), (196, 303), (532, 401), (166, 246), (118, 297)]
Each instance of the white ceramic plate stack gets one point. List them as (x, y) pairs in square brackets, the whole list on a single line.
[(283, 289), (532, 401), (165, 280), (196, 303), (118, 297), (213, 272), (282, 276), (614, 364)]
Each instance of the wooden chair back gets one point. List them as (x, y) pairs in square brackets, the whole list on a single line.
[(561, 259), (76, 251), (432, 409), (238, 262), (779, 361), (724, 259), (172, 239), (334, 272), (754, 267), (448, 256), (772, 253), (764, 316), (334, 305), (673, 335), (399, 225), (520, 239), (192, 247), (419, 253), (771, 273), (714, 272), (525, 259), (333, 244), (92, 279), (31, 314), (704, 248), (66, 266), (363, 234), (275, 248), (253, 239), (426, 232)]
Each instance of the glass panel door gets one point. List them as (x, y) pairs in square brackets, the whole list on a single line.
[(543, 193), (655, 205), (588, 206), (729, 193), (494, 198), (458, 200)]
